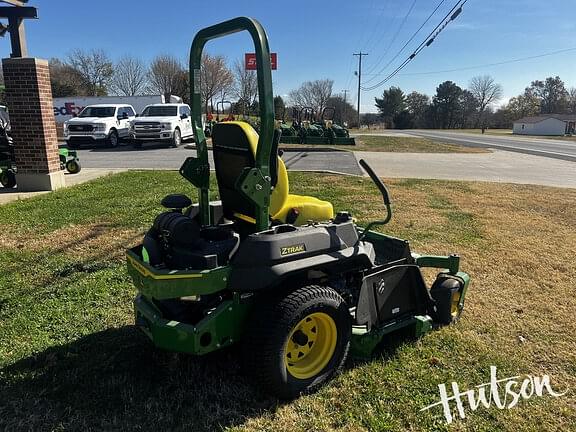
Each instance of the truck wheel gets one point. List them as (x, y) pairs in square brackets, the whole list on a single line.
[(113, 139), (299, 342), (8, 178), (73, 166), (136, 144), (446, 293), (176, 138)]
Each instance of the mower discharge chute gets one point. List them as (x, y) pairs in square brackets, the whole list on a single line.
[(294, 284)]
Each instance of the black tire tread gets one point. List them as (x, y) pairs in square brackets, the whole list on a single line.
[(261, 335)]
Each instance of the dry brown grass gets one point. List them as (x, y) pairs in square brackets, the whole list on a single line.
[(62, 321), (88, 241)]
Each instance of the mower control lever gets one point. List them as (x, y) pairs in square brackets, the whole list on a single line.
[(376, 181), (384, 191)]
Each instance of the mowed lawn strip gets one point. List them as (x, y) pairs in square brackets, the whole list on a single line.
[(70, 358), (401, 144)]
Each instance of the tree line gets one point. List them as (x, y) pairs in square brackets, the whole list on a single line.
[(94, 73), (473, 107)]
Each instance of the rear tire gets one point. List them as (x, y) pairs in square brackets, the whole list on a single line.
[(8, 178), (299, 342)]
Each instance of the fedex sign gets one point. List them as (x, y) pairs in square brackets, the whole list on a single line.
[(250, 61)]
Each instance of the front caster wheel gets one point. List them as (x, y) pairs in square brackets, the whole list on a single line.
[(299, 342), (446, 292)]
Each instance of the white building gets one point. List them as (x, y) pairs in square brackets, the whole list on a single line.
[(547, 124)]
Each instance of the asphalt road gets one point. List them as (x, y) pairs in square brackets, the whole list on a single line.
[(153, 156), (552, 148)]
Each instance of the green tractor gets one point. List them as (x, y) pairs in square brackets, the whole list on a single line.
[(290, 133), (312, 131), (294, 285), (338, 135)]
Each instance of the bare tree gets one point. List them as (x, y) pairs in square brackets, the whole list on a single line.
[(66, 80), (246, 86), (313, 94), (165, 75), (94, 67), (486, 92), (215, 79), (130, 76), (572, 100)]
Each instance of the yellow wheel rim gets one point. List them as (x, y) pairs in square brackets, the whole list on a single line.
[(455, 300), (310, 345)]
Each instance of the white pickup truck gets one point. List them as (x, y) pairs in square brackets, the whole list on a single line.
[(162, 122), (103, 123)]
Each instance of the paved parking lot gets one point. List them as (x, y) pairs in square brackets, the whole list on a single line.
[(159, 157)]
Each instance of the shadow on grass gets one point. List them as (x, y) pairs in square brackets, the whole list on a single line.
[(116, 380)]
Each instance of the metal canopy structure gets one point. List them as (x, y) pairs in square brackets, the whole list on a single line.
[(16, 15)]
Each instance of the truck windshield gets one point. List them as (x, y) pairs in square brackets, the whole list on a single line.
[(160, 111), (97, 112)]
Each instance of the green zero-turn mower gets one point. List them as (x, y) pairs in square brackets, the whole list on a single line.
[(294, 284), (8, 170)]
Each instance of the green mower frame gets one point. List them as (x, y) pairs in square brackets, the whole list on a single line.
[(281, 293)]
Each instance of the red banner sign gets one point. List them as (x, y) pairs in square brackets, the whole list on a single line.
[(250, 61)]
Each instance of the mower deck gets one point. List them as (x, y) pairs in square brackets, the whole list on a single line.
[(226, 322)]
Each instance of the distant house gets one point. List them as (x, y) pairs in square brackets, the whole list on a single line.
[(547, 124)]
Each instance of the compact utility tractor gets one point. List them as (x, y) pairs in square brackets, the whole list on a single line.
[(295, 285), (312, 131), (290, 133), (337, 134)]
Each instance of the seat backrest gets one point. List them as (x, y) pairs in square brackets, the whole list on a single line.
[(234, 146)]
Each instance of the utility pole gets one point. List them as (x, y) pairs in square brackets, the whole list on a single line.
[(360, 54), (344, 117)]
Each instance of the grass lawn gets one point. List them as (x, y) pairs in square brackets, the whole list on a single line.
[(396, 145), (70, 358), (409, 145)]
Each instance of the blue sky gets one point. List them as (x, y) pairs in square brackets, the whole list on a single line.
[(316, 39)]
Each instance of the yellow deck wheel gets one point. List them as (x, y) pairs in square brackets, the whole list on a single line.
[(454, 310), (310, 345)]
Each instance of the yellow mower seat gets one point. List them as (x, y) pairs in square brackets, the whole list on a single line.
[(227, 137)]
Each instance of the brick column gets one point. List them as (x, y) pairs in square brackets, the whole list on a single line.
[(29, 99)]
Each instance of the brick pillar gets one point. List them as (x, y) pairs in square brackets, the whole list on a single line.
[(29, 99)]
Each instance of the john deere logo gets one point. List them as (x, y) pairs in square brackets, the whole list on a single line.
[(288, 250)]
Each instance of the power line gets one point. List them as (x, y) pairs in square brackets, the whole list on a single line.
[(400, 27), (408, 42), (376, 24), (491, 64), (450, 16)]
